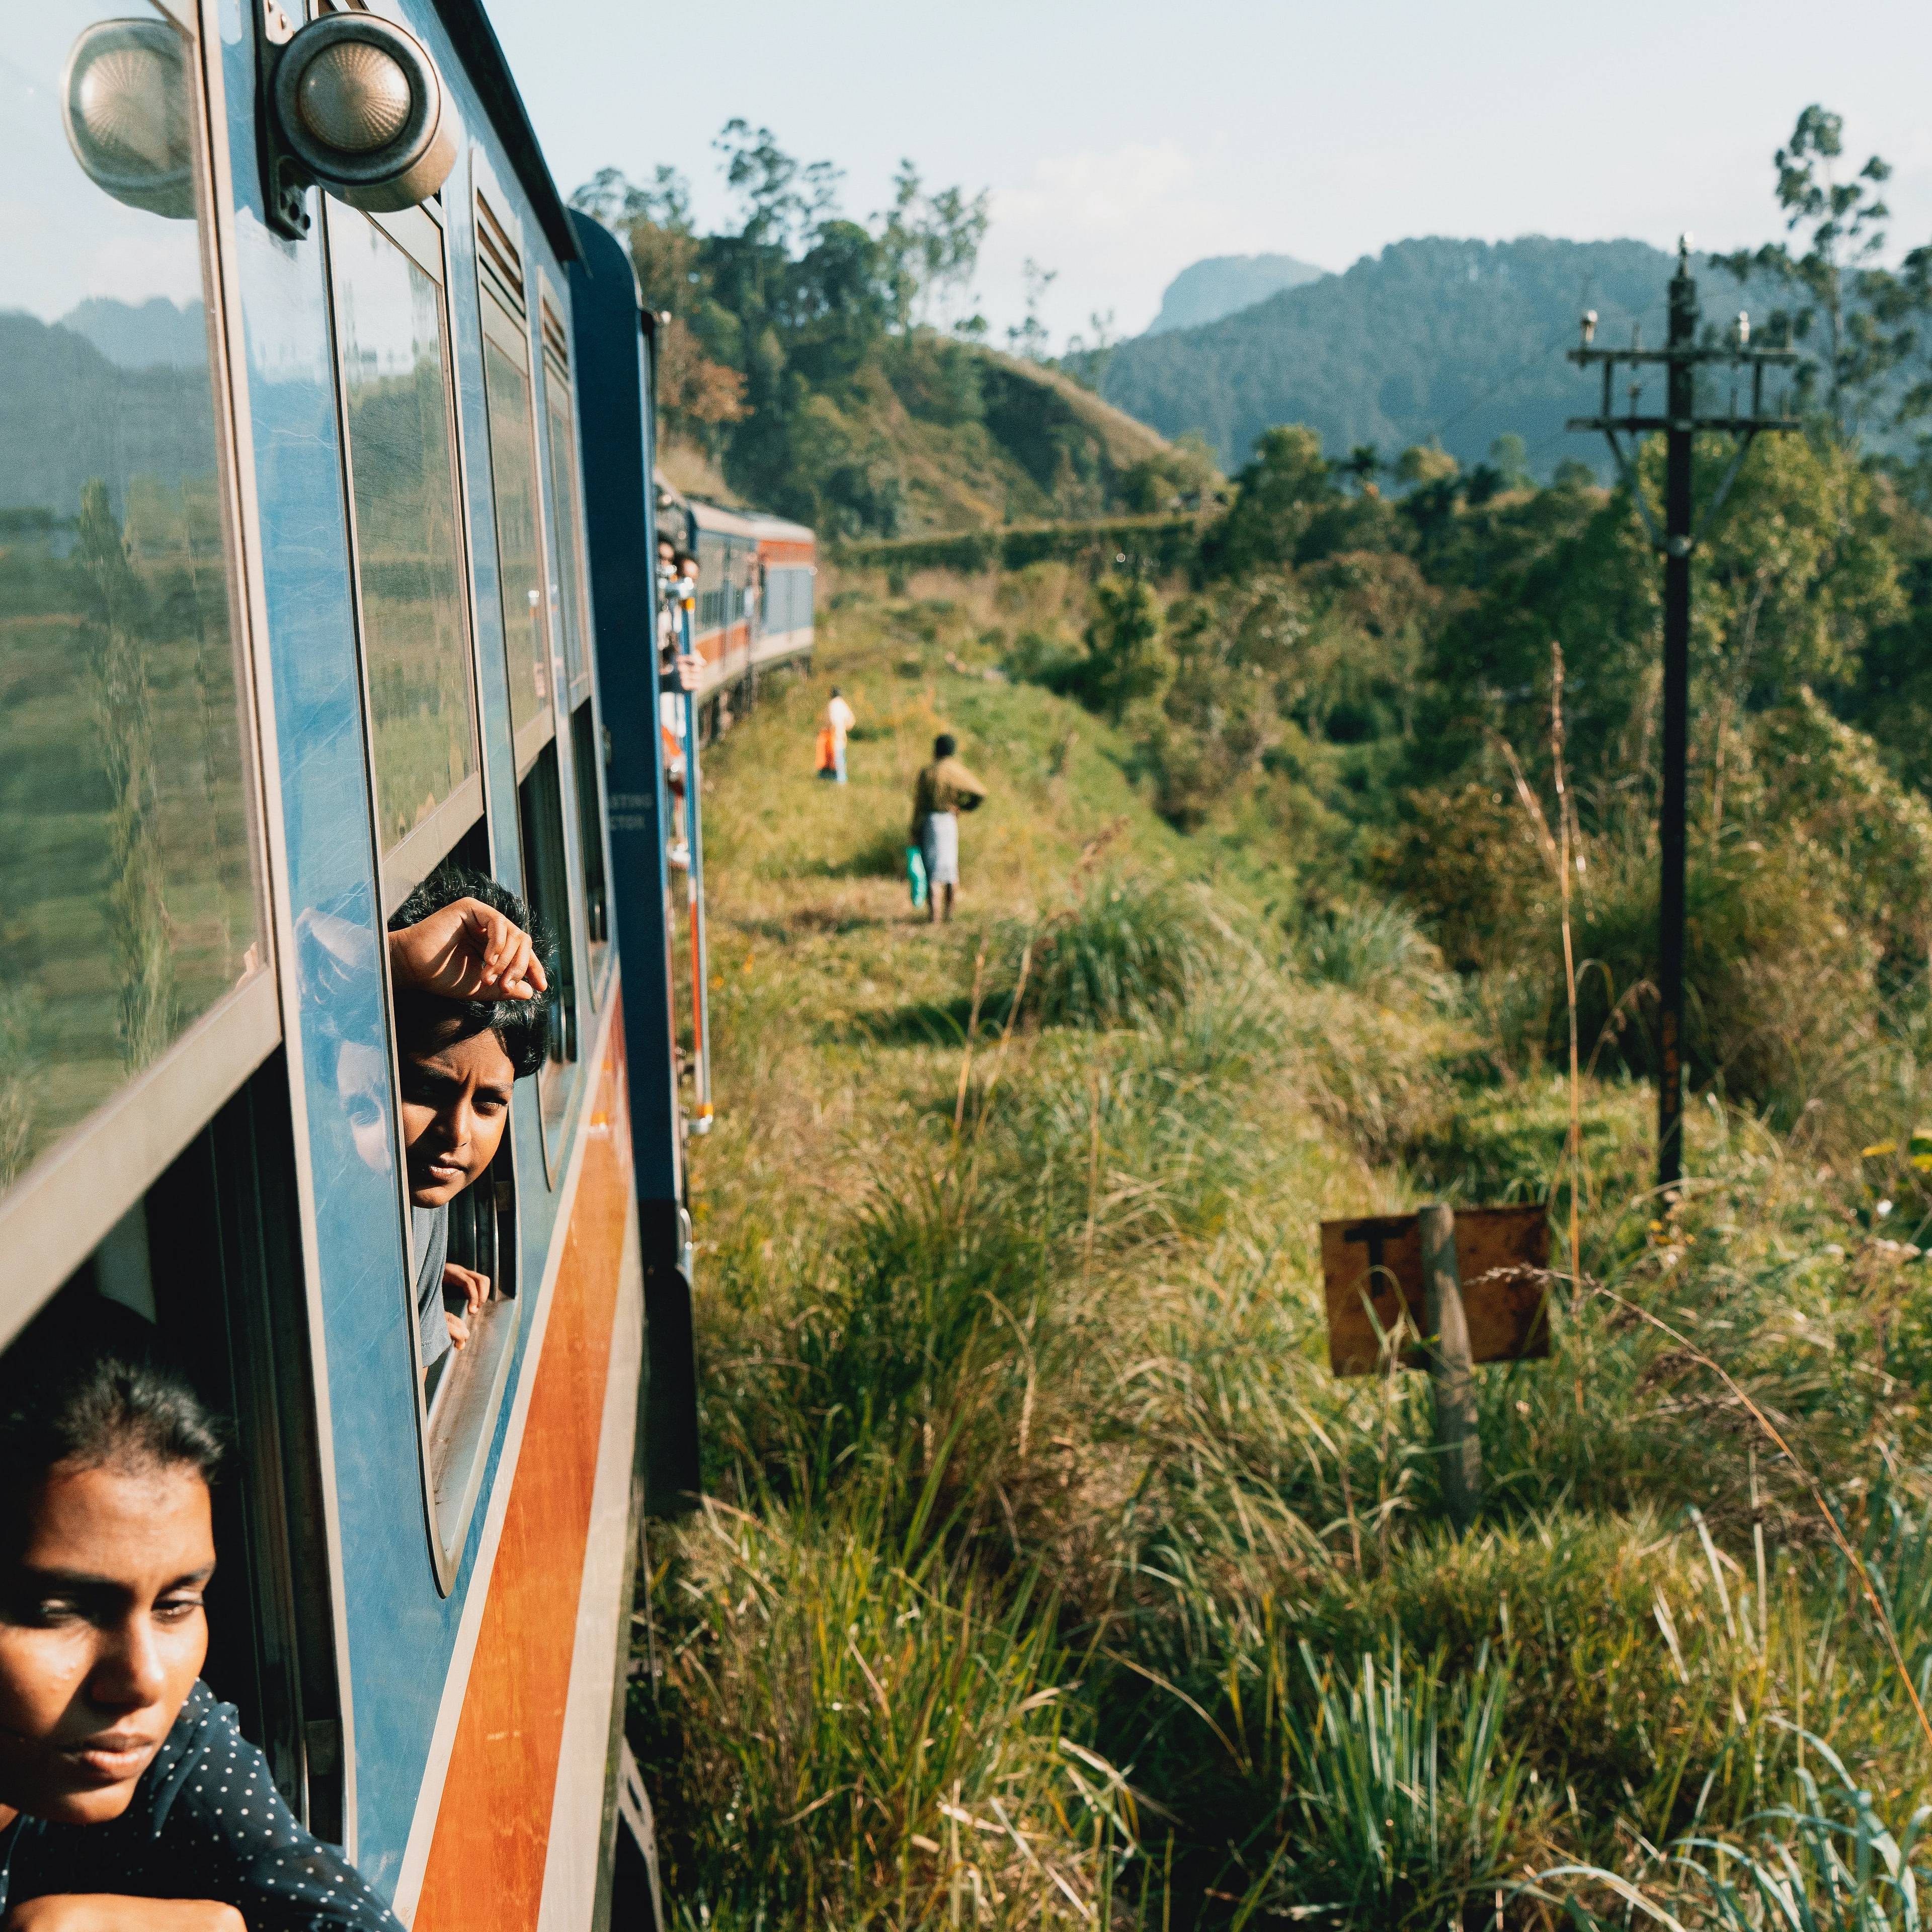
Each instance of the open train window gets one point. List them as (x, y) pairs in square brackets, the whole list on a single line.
[(208, 1256), (138, 990), (547, 876)]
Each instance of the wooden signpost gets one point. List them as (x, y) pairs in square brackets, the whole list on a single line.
[(1440, 1290)]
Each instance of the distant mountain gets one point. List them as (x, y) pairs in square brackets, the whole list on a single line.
[(1209, 289), (1462, 341), (156, 335)]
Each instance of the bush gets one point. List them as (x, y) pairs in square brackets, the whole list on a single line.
[(1127, 952), (1368, 949)]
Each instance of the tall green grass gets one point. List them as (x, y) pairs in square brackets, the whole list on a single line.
[(1023, 1441)]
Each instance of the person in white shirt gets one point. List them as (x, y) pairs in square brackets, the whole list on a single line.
[(839, 719)]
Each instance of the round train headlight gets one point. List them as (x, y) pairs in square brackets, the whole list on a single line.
[(124, 105), (361, 107)]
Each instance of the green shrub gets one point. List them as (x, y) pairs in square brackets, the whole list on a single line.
[(1369, 948), (1130, 950), (1406, 1801)]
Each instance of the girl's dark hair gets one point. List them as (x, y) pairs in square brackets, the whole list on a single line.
[(944, 745), (522, 1027), (89, 1382)]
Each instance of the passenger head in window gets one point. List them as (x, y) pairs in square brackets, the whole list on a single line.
[(473, 1015), (123, 1781)]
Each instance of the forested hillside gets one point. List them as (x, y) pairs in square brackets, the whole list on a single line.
[(1461, 341), (804, 368)]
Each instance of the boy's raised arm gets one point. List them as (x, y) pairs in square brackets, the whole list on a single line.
[(467, 951)]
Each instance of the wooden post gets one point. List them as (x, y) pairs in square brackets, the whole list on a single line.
[(1458, 1446)]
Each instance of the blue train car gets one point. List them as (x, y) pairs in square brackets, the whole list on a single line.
[(325, 544)]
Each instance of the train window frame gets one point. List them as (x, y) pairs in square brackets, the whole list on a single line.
[(418, 233), (55, 1213), (582, 717), (551, 882), (456, 1414), (502, 283)]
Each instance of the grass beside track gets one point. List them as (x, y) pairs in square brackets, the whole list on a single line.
[(1048, 1574)]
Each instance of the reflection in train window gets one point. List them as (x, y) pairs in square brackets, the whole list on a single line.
[(128, 895), (513, 472), (515, 488), (563, 442), (396, 406)]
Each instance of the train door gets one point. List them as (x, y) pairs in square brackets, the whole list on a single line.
[(145, 1151), (395, 382)]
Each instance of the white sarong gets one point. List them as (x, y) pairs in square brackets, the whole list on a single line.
[(941, 844)]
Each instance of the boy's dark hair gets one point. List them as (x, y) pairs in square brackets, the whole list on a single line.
[(522, 1027), (89, 1382), (944, 745)]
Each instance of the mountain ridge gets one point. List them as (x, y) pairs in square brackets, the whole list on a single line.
[(1433, 338)]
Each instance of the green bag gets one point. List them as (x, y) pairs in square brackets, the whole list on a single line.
[(916, 875)]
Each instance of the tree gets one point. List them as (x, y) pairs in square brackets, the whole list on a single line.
[(1423, 463), (781, 201), (1029, 338), (1124, 661), (1087, 355), (1832, 284), (1277, 497), (929, 243), (1364, 465)]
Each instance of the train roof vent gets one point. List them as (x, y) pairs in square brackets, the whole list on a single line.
[(501, 259), (556, 341)]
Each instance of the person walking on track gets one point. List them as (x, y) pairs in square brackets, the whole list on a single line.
[(839, 719), (943, 789)]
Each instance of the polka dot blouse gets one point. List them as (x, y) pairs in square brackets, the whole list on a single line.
[(205, 1821)]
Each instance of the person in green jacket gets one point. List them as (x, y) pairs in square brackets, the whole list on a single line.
[(943, 789)]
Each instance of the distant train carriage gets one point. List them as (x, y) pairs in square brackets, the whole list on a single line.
[(756, 578), (325, 532)]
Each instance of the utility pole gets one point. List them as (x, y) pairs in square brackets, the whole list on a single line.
[(1680, 424)]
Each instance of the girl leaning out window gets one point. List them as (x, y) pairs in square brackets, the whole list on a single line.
[(129, 1801)]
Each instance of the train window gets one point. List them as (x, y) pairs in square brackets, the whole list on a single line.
[(462, 1387), (515, 486), (587, 750), (461, 1374), (546, 882), (560, 436), (409, 557), (129, 877), (208, 1255), (587, 754)]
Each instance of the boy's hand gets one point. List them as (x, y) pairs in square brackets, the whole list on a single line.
[(464, 1285), (690, 668), (468, 951)]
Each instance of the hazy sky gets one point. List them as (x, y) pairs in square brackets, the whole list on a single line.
[(1122, 141)]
